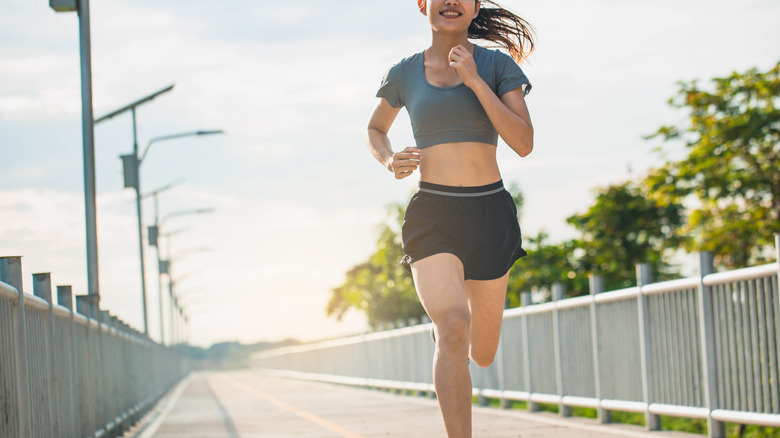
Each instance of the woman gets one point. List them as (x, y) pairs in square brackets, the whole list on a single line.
[(460, 232)]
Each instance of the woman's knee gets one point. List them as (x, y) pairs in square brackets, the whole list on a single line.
[(483, 358), (452, 329)]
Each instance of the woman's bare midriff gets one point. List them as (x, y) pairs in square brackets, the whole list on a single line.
[(459, 164)]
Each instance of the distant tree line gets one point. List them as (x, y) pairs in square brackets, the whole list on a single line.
[(723, 196)]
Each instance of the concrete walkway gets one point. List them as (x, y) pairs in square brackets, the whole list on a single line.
[(248, 404)]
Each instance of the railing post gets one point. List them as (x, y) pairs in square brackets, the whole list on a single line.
[(11, 273), (83, 307), (525, 299), (186, 359), (112, 376), (558, 291), (65, 298), (109, 368), (716, 429), (777, 256), (98, 374), (119, 372), (644, 276), (596, 286), (501, 365), (777, 296), (42, 289)]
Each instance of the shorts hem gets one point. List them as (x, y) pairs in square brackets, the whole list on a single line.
[(407, 260), (521, 253)]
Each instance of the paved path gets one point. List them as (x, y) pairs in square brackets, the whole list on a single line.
[(248, 404)]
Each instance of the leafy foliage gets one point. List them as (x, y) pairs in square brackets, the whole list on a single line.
[(732, 172), (380, 287), (624, 227), (545, 265)]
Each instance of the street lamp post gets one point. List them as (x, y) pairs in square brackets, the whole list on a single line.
[(175, 307), (164, 266), (152, 234), (181, 328), (177, 316), (187, 332), (131, 165), (88, 138)]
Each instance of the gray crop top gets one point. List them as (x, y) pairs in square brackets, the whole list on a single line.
[(450, 114)]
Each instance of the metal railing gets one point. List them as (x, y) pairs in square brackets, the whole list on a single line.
[(704, 347), (64, 374)]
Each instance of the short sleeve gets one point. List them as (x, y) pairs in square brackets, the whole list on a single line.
[(510, 75), (391, 89)]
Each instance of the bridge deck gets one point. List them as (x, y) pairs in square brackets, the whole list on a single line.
[(247, 404)]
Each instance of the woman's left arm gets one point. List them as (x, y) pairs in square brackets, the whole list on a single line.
[(509, 114)]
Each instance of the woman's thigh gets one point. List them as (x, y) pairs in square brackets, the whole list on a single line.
[(486, 300), (438, 280)]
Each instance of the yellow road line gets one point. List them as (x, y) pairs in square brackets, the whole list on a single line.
[(346, 433)]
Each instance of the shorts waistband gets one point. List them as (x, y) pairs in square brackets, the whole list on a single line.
[(470, 191)]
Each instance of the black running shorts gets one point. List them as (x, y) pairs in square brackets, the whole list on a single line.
[(476, 224)]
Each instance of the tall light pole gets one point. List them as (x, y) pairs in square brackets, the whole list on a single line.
[(152, 234), (131, 180), (173, 298), (131, 164), (175, 306), (88, 137), (164, 266), (175, 309)]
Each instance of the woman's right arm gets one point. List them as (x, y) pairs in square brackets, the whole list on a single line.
[(402, 163)]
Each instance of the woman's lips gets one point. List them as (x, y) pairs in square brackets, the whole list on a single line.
[(450, 13)]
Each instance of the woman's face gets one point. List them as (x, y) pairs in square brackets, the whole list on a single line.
[(449, 15)]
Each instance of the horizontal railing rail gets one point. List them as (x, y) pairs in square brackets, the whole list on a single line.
[(65, 373), (702, 347)]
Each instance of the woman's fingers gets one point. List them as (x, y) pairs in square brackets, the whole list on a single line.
[(402, 173), (401, 165), (407, 154), (405, 162), (463, 62), (458, 52)]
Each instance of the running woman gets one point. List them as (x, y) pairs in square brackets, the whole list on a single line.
[(460, 232)]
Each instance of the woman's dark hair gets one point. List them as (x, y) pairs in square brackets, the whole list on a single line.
[(504, 28)]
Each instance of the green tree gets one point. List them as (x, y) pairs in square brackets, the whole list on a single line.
[(545, 265), (380, 287), (517, 197), (731, 176), (625, 226)]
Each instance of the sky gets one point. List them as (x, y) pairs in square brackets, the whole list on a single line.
[(297, 198)]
